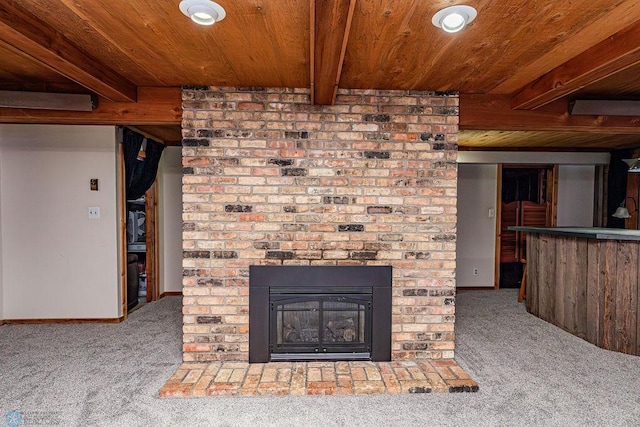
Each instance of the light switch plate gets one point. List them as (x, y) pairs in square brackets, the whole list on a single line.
[(94, 213)]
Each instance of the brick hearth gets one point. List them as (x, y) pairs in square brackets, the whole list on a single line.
[(317, 378)]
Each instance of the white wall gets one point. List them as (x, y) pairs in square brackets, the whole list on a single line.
[(170, 219), (476, 230), (575, 195), (57, 262), (477, 189)]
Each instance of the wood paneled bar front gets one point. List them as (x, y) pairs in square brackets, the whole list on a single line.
[(586, 281)]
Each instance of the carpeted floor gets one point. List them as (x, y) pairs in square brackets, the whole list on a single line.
[(530, 373)]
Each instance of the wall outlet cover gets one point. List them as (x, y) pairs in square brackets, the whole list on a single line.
[(94, 212)]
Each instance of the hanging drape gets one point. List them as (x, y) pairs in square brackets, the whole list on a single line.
[(141, 166)]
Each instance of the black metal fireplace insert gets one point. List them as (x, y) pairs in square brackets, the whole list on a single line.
[(319, 313)]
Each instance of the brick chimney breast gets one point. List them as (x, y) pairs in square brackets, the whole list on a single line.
[(269, 179)]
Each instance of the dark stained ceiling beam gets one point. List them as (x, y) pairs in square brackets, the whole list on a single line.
[(494, 112), (155, 106), (618, 52), (330, 27), (27, 35), (42, 86)]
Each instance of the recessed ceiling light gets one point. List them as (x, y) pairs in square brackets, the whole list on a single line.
[(454, 18), (202, 12)]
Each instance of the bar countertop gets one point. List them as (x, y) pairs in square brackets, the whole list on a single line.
[(584, 232)]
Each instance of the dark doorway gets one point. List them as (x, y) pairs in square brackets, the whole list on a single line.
[(524, 183), (526, 195)]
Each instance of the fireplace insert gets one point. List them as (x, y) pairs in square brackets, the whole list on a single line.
[(319, 313), (320, 321)]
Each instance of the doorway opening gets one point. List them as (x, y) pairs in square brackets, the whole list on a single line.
[(528, 197), (139, 237)]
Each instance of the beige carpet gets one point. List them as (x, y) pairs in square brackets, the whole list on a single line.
[(530, 373)]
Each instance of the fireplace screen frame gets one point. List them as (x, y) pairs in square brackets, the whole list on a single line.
[(330, 282), (315, 346)]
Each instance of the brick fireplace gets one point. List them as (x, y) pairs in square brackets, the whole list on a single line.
[(271, 180)]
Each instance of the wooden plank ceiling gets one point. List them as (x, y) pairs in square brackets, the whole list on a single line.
[(540, 140), (517, 66)]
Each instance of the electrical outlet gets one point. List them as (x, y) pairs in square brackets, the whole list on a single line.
[(94, 213), (475, 271)]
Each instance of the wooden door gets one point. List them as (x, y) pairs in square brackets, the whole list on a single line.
[(152, 258), (510, 216)]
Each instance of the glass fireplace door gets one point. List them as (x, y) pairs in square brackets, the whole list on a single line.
[(310, 326)]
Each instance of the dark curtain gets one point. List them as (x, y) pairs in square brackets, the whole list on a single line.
[(140, 171), (617, 186)]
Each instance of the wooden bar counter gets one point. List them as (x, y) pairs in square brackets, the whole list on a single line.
[(586, 281)]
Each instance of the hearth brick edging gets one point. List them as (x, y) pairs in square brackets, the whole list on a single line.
[(317, 378), (271, 180)]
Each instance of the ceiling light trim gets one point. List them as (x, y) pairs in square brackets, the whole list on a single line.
[(453, 19), (203, 12)]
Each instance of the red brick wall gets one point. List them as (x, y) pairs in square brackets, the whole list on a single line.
[(271, 179)]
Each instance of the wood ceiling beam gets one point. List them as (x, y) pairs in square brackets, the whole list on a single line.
[(155, 106), (170, 135), (27, 35), (330, 27), (157, 133), (494, 112), (616, 53)]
